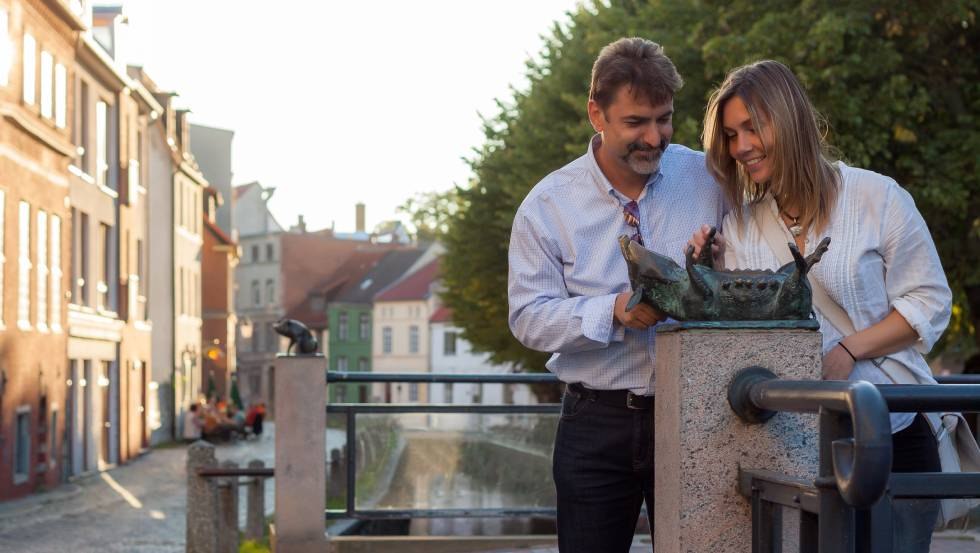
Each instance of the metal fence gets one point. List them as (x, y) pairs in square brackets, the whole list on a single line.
[(353, 410), (849, 506)]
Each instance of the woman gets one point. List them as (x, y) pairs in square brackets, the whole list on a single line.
[(765, 147)]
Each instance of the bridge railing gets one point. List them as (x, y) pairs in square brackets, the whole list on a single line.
[(352, 411), (848, 508)]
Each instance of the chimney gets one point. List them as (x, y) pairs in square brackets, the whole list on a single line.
[(301, 224), (359, 217)]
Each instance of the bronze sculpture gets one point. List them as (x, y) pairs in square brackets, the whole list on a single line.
[(299, 335), (700, 293)]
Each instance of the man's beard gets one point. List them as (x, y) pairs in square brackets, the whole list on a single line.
[(648, 161)]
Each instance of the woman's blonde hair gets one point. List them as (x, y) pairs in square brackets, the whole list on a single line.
[(804, 176)]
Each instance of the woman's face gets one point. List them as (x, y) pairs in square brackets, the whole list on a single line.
[(747, 142)]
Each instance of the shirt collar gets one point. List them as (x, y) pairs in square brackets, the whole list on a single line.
[(602, 181)]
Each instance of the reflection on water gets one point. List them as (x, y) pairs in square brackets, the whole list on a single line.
[(472, 462)]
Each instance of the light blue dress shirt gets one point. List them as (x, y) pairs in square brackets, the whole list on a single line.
[(566, 267)]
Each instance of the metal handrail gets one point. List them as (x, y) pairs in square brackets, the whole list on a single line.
[(755, 394), (466, 378)]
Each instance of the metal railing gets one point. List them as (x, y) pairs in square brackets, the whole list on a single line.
[(848, 507), (352, 410)]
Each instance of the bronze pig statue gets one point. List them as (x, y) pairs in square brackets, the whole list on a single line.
[(700, 293)]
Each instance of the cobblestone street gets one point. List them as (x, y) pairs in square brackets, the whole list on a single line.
[(136, 508)]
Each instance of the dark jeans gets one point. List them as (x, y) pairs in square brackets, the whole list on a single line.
[(914, 450), (603, 470)]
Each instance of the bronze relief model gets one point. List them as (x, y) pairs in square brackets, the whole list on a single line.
[(698, 292)]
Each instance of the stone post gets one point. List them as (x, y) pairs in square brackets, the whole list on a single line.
[(228, 511), (202, 500), (255, 510), (701, 444), (301, 421)]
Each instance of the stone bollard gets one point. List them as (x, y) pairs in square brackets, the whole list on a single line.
[(700, 444), (301, 421), (202, 500), (228, 511), (255, 512)]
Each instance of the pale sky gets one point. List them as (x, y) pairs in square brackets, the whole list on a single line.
[(338, 102)]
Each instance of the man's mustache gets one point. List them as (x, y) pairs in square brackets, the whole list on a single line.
[(644, 147)]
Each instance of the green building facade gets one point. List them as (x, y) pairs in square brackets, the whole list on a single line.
[(349, 347)]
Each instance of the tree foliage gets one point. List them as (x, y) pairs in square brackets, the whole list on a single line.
[(898, 83)]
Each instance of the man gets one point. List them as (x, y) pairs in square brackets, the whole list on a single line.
[(568, 288)]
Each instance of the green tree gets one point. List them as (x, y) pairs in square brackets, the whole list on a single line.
[(897, 82)]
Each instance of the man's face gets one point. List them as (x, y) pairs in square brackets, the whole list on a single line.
[(634, 132)]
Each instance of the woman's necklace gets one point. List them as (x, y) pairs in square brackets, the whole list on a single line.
[(795, 228)]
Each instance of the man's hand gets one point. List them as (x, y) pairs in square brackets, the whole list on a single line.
[(699, 239), (837, 364), (640, 317)]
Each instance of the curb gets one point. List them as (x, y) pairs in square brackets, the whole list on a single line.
[(33, 503)]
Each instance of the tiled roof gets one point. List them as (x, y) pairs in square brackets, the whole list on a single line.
[(442, 315), (351, 270), (416, 286), (390, 268), (220, 234)]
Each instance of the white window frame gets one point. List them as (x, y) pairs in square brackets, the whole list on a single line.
[(342, 364), (60, 96), (343, 327), (41, 272), (47, 85), (6, 49), (24, 266), (56, 273), (30, 68)]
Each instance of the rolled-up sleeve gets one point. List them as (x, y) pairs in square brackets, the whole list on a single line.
[(542, 315), (914, 279)]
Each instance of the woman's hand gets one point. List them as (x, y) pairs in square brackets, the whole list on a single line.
[(837, 364), (700, 238)]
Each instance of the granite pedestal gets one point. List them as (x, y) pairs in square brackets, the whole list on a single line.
[(301, 458), (701, 444)]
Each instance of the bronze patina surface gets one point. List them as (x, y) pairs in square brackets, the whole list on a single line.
[(698, 292)]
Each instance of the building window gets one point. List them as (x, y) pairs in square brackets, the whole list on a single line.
[(79, 258), (60, 96), (24, 267), (80, 130), (449, 343), (270, 291), (47, 85), (3, 248), (386, 339), (270, 252), (22, 446), (41, 262), (256, 294), (105, 240), (413, 391), (342, 328), (448, 392), (272, 338), (6, 52), (255, 253), (364, 327), (413, 339), (30, 68), (342, 363), (102, 144), (56, 273), (362, 365)]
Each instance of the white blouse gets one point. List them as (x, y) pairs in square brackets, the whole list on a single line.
[(881, 257)]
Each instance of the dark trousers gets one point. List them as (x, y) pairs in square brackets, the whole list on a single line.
[(603, 470), (914, 450)]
